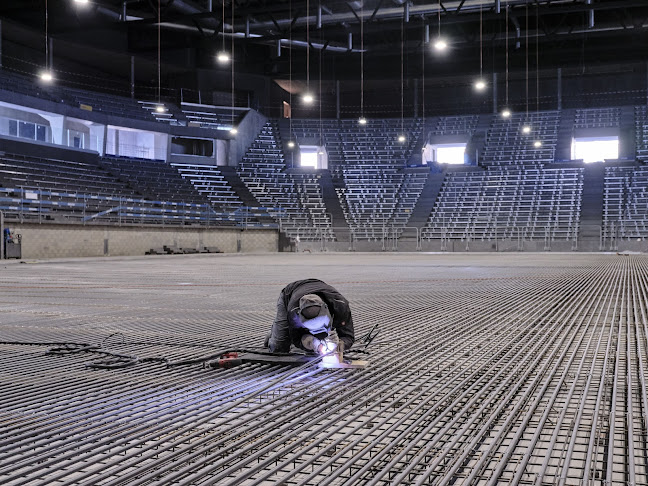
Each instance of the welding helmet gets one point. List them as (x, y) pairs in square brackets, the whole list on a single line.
[(314, 314)]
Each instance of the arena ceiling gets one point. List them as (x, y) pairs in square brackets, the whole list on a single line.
[(271, 36)]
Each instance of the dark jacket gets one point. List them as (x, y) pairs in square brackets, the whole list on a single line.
[(337, 304)]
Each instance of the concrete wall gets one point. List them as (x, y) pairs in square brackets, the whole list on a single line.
[(56, 241)]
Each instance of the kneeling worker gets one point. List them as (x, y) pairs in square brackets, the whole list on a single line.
[(313, 316)]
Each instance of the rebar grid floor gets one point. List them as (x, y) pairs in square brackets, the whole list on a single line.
[(488, 369)]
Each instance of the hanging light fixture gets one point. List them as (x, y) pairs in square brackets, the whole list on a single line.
[(480, 84), (401, 136), (233, 130), (506, 111), (440, 44), (425, 39), (308, 97), (526, 128), (362, 120), (223, 56), (160, 108), (537, 143), (46, 74)]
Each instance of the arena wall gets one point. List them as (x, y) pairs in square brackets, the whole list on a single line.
[(56, 241)]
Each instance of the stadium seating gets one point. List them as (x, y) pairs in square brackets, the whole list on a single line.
[(641, 132), (625, 212), (597, 118), (210, 182), (507, 144), (530, 201), (264, 172)]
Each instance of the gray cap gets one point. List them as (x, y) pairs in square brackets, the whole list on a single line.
[(314, 314)]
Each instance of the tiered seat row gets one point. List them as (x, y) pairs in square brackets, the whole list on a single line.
[(263, 170), (625, 211), (641, 132), (309, 191), (210, 182), (506, 142), (597, 118), (456, 125), (515, 201), (155, 179)]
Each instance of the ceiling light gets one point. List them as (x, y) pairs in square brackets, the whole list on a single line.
[(526, 129), (223, 57), (401, 138), (82, 2), (362, 120), (160, 109), (308, 98), (440, 44), (46, 76), (480, 85), (537, 144), (321, 152), (291, 144), (233, 130), (506, 113)]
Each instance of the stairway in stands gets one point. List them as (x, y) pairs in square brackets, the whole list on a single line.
[(592, 202), (242, 191), (426, 201), (332, 203)]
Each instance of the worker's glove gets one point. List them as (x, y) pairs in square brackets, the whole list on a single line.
[(310, 342)]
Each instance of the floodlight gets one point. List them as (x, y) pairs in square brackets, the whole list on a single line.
[(223, 57), (526, 129), (82, 2), (362, 120), (537, 144), (233, 130), (160, 109), (291, 144), (440, 44), (480, 85), (308, 98), (46, 76), (401, 138), (506, 113)]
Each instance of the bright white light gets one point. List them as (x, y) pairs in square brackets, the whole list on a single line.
[(321, 152), (362, 120), (223, 57), (537, 144), (595, 149), (82, 2), (526, 129), (308, 98), (308, 158), (46, 76), (506, 113), (160, 109), (291, 144), (401, 138), (440, 44), (480, 85), (451, 154), (233, 131)]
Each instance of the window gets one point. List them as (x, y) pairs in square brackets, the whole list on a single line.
[(41, 133), (447, 153), (311, 156), (595, 149), (27, 130), (13, 127)]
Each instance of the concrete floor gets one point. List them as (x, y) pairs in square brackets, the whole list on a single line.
[(488, 369)]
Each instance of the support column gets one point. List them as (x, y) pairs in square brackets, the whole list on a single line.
[(494, 92), (0, 43), (132, 77), (337, 99), (559, 88), (2, 237), (416, 103)]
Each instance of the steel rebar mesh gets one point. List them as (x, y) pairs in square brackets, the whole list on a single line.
[(488, 369)]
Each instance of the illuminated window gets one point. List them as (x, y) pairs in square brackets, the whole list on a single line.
[(312, 156), (447, 153), (595, 149)]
